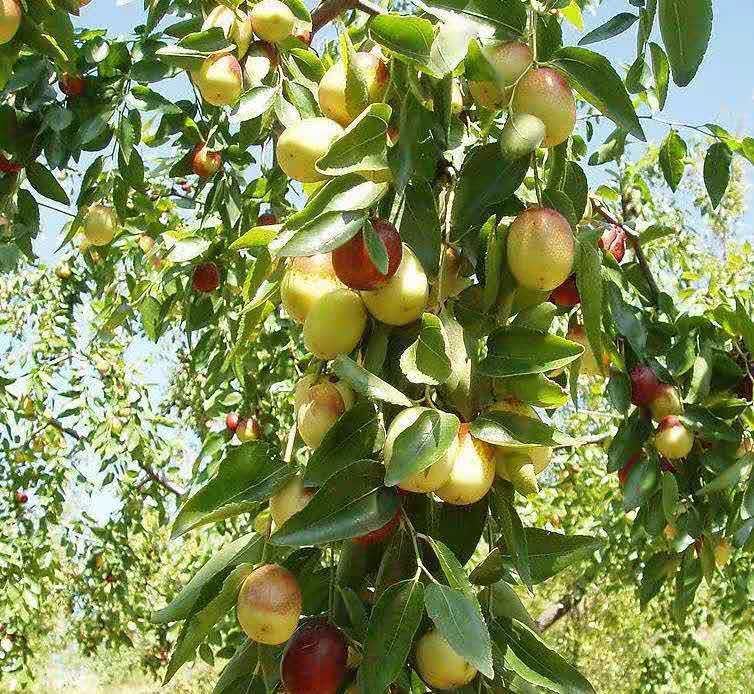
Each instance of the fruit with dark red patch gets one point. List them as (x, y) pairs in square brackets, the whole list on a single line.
[(248, 430), (205, 163), (644, 385), (355, 268), (206, 277), (315, 659), (380, 534), (626, 469), (567, 294), (613, 241), (21, 498), (231, 421), (72, 85), (8, 166), (266, 219)]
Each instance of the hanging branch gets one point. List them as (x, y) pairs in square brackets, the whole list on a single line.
[(330, 9)]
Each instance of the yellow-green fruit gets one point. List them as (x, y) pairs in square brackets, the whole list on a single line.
[(540, 249), (236, 26), (509, 61), (100, 225), (546, 94), (220, 79), (302, 144), (667, 401), (305, 281), (335, 324), (673, 440), (539, 456), (589, 364), (473, 471), (521, 135), (403, 298), (431, 478), (260, 59), (289, 500), (272, 20), (319, 404), (517, 466), (723, 551), (27, 406), (10, 19), (439, 665), (269, 604), (332, 87)]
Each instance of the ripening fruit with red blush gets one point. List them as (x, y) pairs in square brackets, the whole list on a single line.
[(613, 241), (220, 79), (72, 85), (231, 421), (355, 268), (206, 278), (205, 163), (21, 498), (315, 659), (10, 19), (269, 605), (667, 401), (626, 469), (644, 385), (567, 294), (266, 219), (381, 534), (546, 94), (673, 440), (8, 166), (248, 430)]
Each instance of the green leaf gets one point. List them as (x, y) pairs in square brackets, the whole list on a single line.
[(459, 620), (534, 389), (350, 504), (549, 554), (669, 496), (717, 170), (256, 236), (426, 360), (421, 444), (517, 352), (392, 627), (452, 568), (673, 159), (513, 532), (419, 225), (250, 473), (351, 438), (186, 250), (207, 582), (532, 660), (686, 27), (375, 248), (410, 37), (505, 16), (367, 383), (642, 482), (198, 626), (253, 104), (588, 268), (486, 179), (661, 71), (687, 581), (235, 677), (43, 181), (632, 433), (362, 147), (599, 83), (612, 27), (517, 431)]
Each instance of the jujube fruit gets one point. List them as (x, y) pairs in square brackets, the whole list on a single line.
[(319, 404), (335, 324), (473, 470), (272, 20), (236, 26), (10, 19), (509, 61), (546, 94), (540, 249), (231, 421), (21, 498), (302, 144), (305, 281), (72, 85), (381, 534), (439, 665), (667, 401), (355, 268), (291, 499), (248, 430), (566, 295), (332, 86), (204, 162), (206, 277), (590, 366), (644, 385), (613, 241), (219, 79), (100, 225), (673, 440), (315, 659), (432, 477), (521, 135), (269, 604), (403, 298)]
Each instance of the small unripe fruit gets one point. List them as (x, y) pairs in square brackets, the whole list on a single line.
[(315, 659), (431, 478), (100, 225), (439, 665), (589, 364), (27, 407), (219, 79), (269, 605), (509, 61), (332, 86), (403, 298), (272, 20), (318, 407), (673, 440), (335, 324), (381, 534), (473, 471), (63, 271), (206, 277), (723, 551), (517, 466), (302, 144), (355, 268), (10, 19), (521, 135), (72, 85), (666, 401), (626, 469), (248, 430), (669, 532), (539, 457), (21, 498), (260, 59), (291, 499), (567, 294), (205, 163), (306, 280), (613, 241), (540, 249), (146, 243), (546, 94), (235, 25), (644, 385)]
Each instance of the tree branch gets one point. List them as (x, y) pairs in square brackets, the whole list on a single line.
[(330, 9), (555, 612)]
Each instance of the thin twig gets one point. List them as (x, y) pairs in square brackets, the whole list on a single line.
[(330, 9)]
